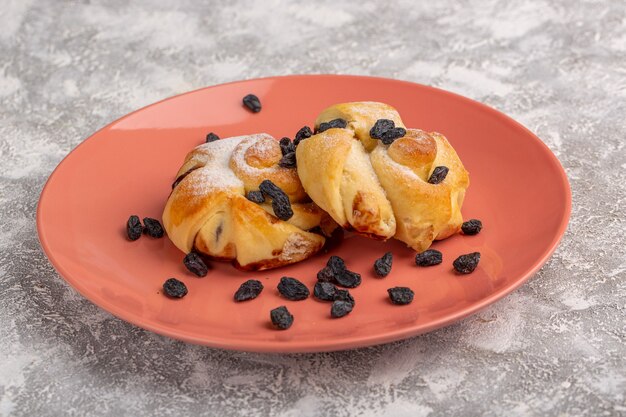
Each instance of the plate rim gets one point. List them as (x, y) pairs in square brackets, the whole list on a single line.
[(245, 345)]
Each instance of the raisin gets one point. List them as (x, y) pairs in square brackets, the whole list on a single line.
[(292, 289), (472, 227), (335, 123), (195, 264), (182, 177), (386, 131), (252, 102), (249, 290), (255, 197), (304, 133), (152, 227), (174, 288), (212, 137), (326, 274), (400, 295), (344, 295), (466, 264), (286, 146), (134, 229), (280, 202), (348, 279), (340, 309), (281, 318), (336, 264), (288, 160), (393, 134), (324, 291), (382, 266), (439, 174), (429, 257)]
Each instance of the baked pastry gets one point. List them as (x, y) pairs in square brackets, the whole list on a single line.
[(208, 210), (402, 183)]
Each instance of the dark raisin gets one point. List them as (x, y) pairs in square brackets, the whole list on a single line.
[(134, 229), (326, 274), (174, 288), (344, 295), (382, 266), (439, 174), (340, 309), (249, 290), (252, 102), (255, 197), (472, 227), (152, 227), (195, 264), (400, 295), (348, 279), (280, 202), (288, 160), (292, 289), (335, 123), (304, 133), (324, 291), (386, 131), (466, 264), (336, 264), (286, 146), (393, 134), (281, 318), (212, 137), (429, 257), (182, 177)]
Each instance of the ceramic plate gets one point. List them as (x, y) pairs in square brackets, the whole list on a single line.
[(518, 189)]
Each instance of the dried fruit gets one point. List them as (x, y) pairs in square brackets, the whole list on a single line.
[(401, 295), (152, 227), (252, 102), (382, 266), (335, 123), (344, 295), (326, 274), (292, 289), (324, 291), (134, 229), (174, 288), (195, 264), (472, 227), (439, 174), (255, 197), (348, 279), (286, 146), (336, 264), (304, 133), (340, 309), (281, 318), (288, 160), (212, 137), (280, 202), (466, 264), (249, 290), (182, 177), (386, 131), (429, 257)]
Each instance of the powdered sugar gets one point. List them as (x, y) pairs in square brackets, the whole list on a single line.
[(263, 147)]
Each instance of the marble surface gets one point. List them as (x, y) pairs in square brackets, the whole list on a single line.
[(554, 347)]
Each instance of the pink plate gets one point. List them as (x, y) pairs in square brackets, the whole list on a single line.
[(518, 189)]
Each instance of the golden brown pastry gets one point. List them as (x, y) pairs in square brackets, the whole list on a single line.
[(208, 210), (382, 190)]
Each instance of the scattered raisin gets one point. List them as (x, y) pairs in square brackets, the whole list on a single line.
[(348, 279), (466, 264), (326, 274), (401, 295), (439, 174), (340, 309), (335, 123), (286, 146), (304, 133), (344, 295), (324, 291), (280, 202), (195, 264), (382, 266), (212, 137), (429, 257), (152, 227), (292, 289), (174, 288), (472, 227), (249, 290), (336, 264), (134, 229), (281, 318), (288, 160), (255, 197), (252, 102), (386, 131)]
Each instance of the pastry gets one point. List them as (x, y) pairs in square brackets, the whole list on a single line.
[(403, 183), (208, 210)]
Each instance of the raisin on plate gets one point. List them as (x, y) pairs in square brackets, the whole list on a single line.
[(344, 295), (249, 290), (304, 133), (152, 227), (280, 201), (252, 102), (212, 137), (429, 257), (472, 227), (439, 174), (340, 308), (281, 318), (336, 264), (134, 229), (174, 288), (400, 295), (195, 264), (382, 266), (292, 289), (466, 264), (348, 279), (324, 291), (255, 197)]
